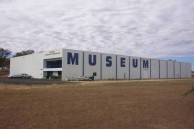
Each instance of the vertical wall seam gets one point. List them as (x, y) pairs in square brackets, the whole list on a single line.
[(64, 59), (101, 66), (140, 68), (167, 69), (62, 66), (174, 69), (150, 68), (159, 69), (116, 67), (83, 65), (180, 69), (129, 71)]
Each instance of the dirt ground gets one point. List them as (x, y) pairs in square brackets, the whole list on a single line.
[(145, 104)]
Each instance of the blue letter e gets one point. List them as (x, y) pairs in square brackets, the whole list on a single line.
[(122, 62)]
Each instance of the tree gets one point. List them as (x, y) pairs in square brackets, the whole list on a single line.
[(23, 53), (7, 62), (4, 53)]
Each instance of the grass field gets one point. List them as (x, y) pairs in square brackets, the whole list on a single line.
[(99, 105)]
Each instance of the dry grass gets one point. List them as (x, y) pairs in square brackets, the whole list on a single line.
[(105, 105), (4, 73)]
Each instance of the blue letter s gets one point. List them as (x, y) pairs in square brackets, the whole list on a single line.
[(108, 61)]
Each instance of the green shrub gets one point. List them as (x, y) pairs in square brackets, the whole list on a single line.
[(55, 77)]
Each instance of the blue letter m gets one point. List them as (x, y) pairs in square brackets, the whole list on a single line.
[(72, 59), (145, 64)]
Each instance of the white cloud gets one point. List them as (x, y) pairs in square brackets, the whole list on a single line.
[(148, 28)]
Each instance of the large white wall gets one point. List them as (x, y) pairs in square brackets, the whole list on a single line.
[(145, 68), (122, 67), (33, 64), (92, 62), (134, 68), (170, 69), (72, 64), (108, 66), (155, 69), (177, 68), (163, 69)]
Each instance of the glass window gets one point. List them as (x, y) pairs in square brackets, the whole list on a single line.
[(54, 64)]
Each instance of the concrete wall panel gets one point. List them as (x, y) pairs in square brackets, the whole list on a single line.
[(134, 68), (108, 66), (163, 69), (72, 64), (155, 69), (177, 68), (92, 62), (189, 70), (183, 70), (170, 69), (122, 67), (145, 68)]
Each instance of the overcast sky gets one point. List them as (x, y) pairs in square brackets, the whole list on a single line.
[(146, 28)]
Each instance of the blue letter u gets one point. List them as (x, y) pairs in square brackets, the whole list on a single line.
[(135, 63), (92, 62)]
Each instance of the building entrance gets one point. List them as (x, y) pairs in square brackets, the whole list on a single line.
[(52, 74)]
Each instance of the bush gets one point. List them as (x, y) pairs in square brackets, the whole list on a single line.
[(55, 77)]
